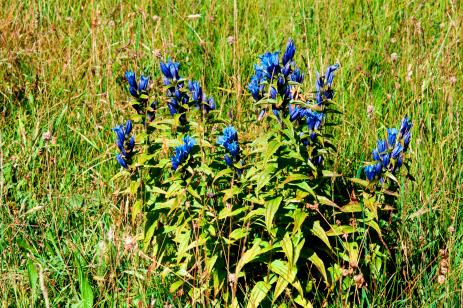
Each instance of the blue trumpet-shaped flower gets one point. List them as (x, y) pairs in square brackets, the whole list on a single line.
[(389, 155), (391, 137), (289, 52), (170, 70), (297, 76), (196, 92), (323, 85), (405, 126), (229, 140), (182, 152), (200, 100), (125, 143), (397, 151), (136, 89), (270, 63), (370, 172)]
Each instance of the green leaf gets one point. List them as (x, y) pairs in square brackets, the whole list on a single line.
[(33, 277), (299, 217), (302, 301), (271, 207), (330, 174), (227, 212), (281, 285), (287, 246), (258, 293), (272, 147), (229, 193), (250, 254), (361, 182), (304, 186), (352, 207), (292, 178), (221, 174), (238, 234), (136, 209), (193, 193), (315, 259), (174, 286), (86, 292), (325, 201), (318, 231), (340, 230)]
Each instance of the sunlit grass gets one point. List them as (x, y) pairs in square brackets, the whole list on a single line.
[(62, 89)]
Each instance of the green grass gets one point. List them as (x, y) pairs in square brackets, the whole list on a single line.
[(64, 230)]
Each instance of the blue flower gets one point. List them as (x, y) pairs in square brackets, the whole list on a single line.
[(211, 103), (229, 140), (323, 84), (385, 158), (391, 137), (378, 168), (397, 150), (376, 155), (370, 172), (397, 143), (125, 143), (136, 89), (273, 93), (405, 126), (228, 160), (254, 89), (170, 70), (229, 135), (297, 76), (314, 119), (329, 75), (182, 152), (270, 63), (406, 139), (196, 92), (295, 112), (131, 79), (289, 52), (121, 161), (151, 111), (382, 146)]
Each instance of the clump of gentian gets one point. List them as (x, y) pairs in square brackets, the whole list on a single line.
[(182, 152), (273, 80), (176, 91), (125, 143), (389, 154), (229, 140), (138, 90), (200, 100)]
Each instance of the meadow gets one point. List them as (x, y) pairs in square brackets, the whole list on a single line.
[(67, 236)]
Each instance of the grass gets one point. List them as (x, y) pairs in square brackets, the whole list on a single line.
[(65, 235)]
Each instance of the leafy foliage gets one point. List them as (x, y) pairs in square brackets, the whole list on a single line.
[(268, 220)]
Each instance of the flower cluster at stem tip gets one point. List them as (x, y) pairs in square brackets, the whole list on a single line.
[(139, 91), (389, 154), (279, 81), (125, 143), (182, 152), (177, 92), (229, 140)]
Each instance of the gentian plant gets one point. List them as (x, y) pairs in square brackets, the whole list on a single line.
[(256, 218)]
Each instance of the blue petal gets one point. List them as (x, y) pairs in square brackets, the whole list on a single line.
[(121, 161)]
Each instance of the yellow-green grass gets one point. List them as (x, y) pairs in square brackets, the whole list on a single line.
[(63, 229)]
